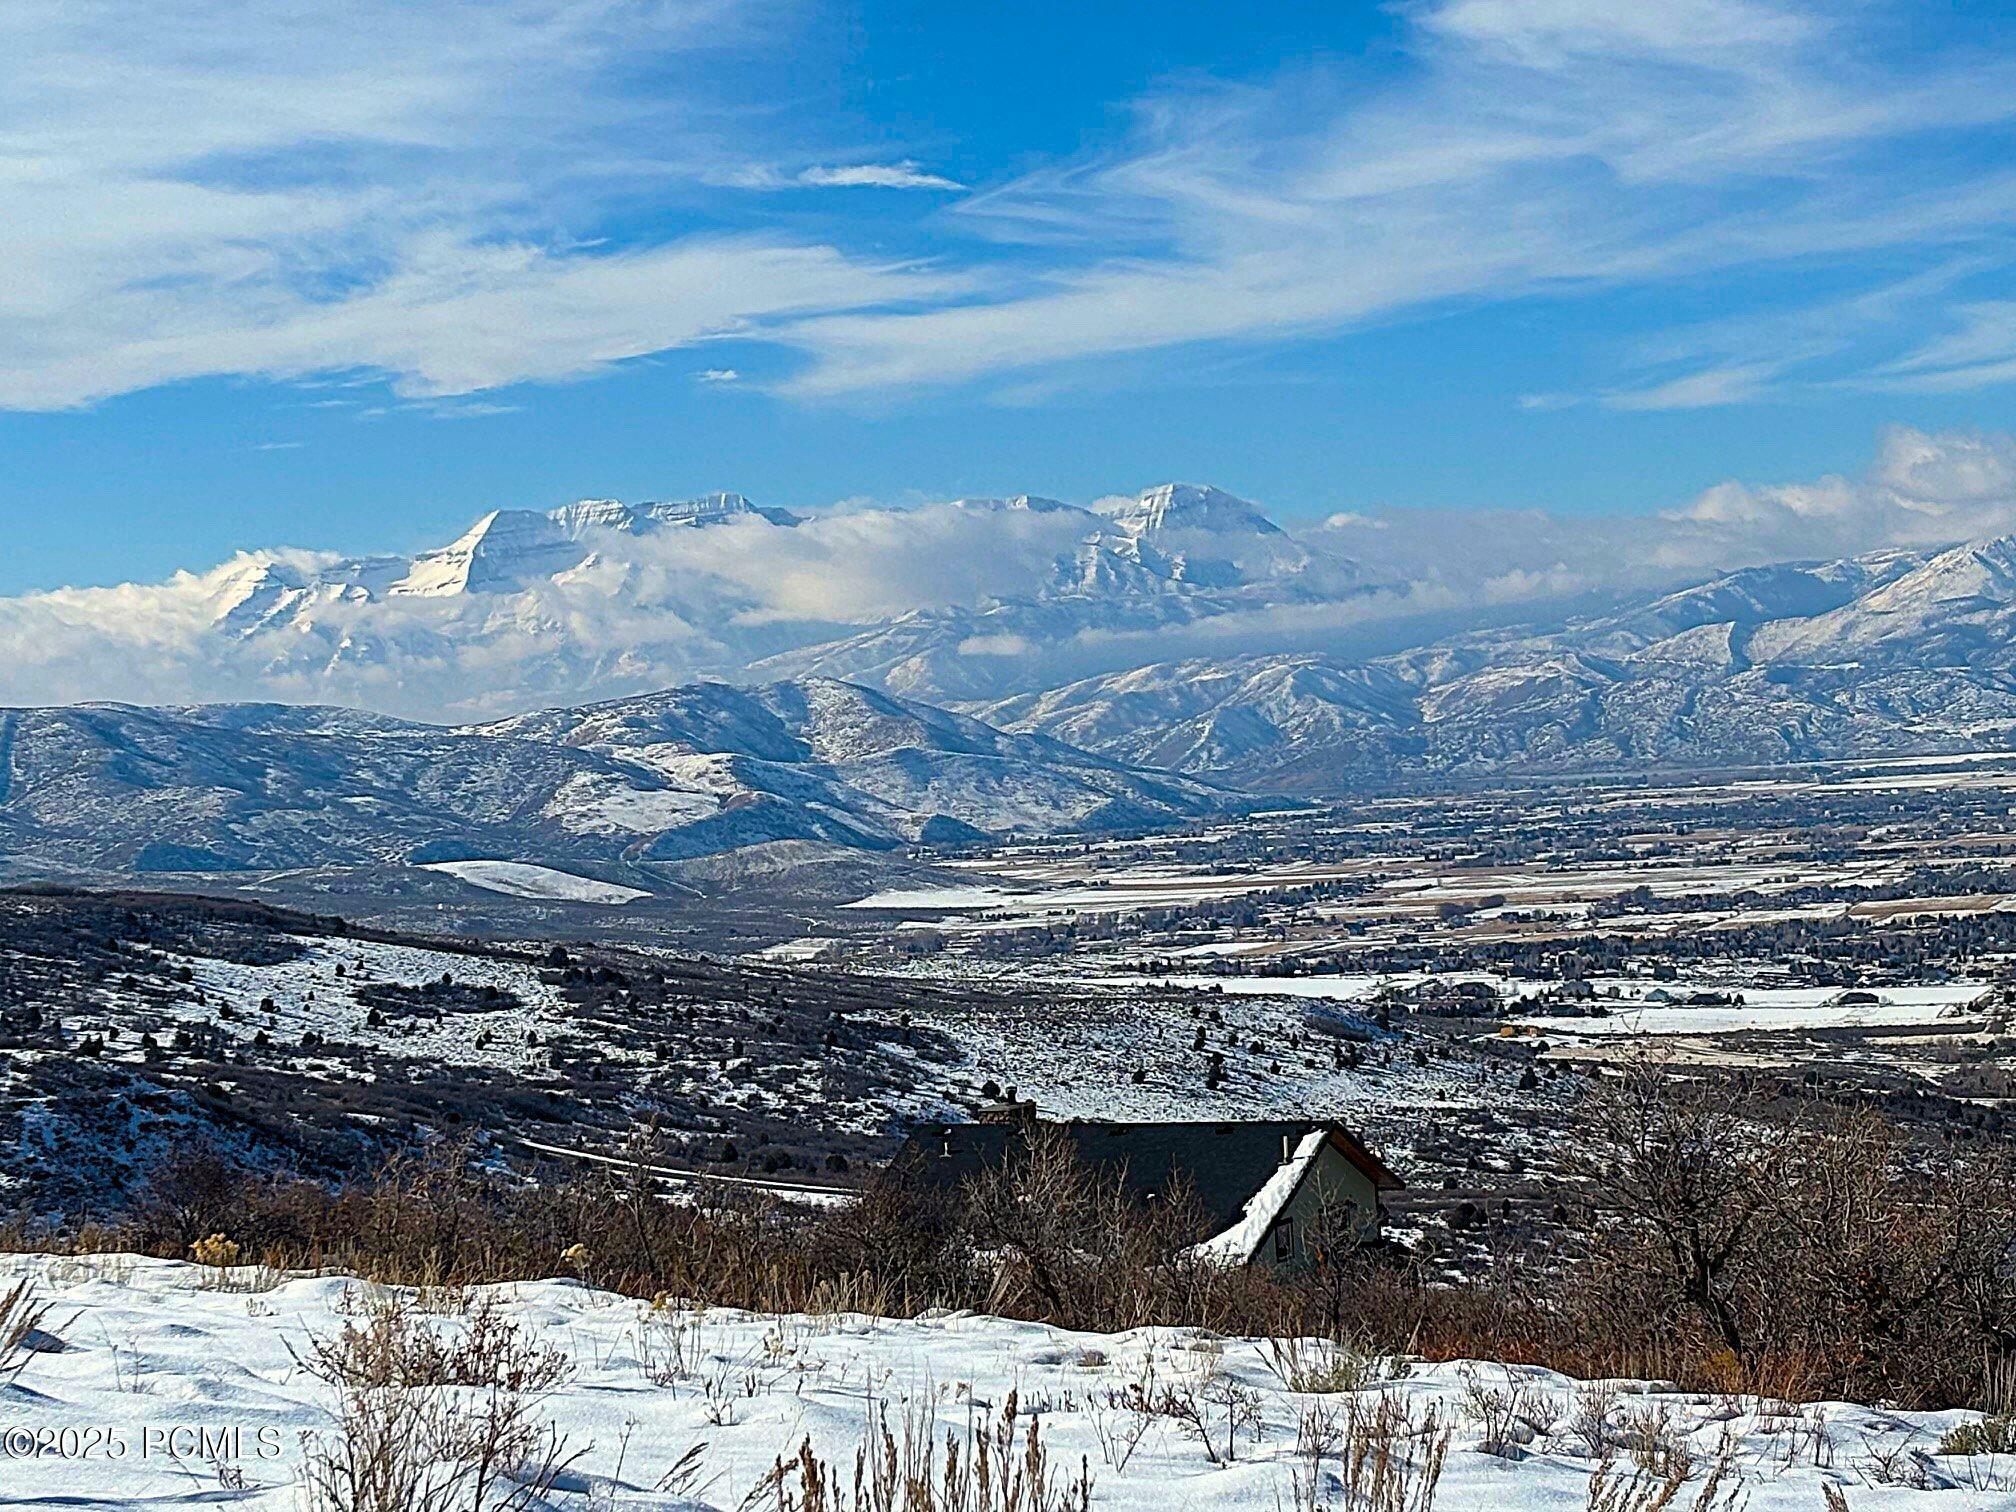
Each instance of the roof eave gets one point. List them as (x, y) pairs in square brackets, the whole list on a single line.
[(1353, 1149)]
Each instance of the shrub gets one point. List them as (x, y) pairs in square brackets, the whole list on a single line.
[(426, 1421), (908, 1469), (1379, 1455), (214, 1250), (1988, 1435), (1328, 1366), (1806, 1249), (1072, 1244), (394, 1349)]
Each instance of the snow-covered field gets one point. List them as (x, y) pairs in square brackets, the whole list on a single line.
[(1934, 1004), (1638, 1007), (1400, 886), (932, 899), (521, 879), (171, 1393)]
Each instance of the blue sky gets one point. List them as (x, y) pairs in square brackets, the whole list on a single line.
[(345, 277)]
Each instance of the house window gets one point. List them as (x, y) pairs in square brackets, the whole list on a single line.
[(1284, 1239)]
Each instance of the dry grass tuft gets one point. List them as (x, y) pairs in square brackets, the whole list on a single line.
[(992, 1468), (429, 1419), (20, 1316)]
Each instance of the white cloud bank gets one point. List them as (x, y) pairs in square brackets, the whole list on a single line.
[(1920, 491), (637, 613)]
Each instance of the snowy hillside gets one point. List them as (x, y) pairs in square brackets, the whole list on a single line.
[(1274, 721), (1891, 653), (610, 788), (662, 1407), (133, 1026)]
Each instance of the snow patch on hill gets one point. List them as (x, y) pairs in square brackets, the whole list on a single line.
[(522, 880)]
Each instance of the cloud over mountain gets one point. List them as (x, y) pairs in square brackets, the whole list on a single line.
[(527, 607), (973, 599)]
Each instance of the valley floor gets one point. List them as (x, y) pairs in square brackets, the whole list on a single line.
[(670, 1408)]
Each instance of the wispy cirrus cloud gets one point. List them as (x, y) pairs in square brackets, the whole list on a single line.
[(459, 319), (906, 173), (235, 187), (903, 175), (1700, 390), (455, 198), (1979, 351), (1526, 147), (1800, 347)]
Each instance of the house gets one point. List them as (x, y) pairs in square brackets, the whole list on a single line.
[(1267, 1189), (1439, 995)]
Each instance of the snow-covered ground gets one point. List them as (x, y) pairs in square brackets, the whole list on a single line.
[(521, 879), (1078, 1053), (317, 991), (1331, 986), (1767, 1008), (1635, 1006), (155, 1355)]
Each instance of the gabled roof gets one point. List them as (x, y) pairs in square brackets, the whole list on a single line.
[(1223, 1164)]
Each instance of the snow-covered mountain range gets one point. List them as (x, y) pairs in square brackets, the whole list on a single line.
[(1178, 628), (1889, 653), (973, 598), (615, 788)]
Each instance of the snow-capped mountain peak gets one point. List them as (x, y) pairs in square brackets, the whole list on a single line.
[(1187, 507), (500, 551), (711, 509), (1204, 536), (510, 549), (589, 515), (1980, 571), (584, 515), (1017, 504)]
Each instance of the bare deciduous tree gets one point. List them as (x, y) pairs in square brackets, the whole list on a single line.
[(1798, 1231)]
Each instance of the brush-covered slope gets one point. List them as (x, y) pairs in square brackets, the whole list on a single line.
[(688, 772)]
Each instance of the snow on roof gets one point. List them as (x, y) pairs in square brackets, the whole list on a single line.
[(1236, 1245)]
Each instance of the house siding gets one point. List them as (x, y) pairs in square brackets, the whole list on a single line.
[(1333, 1178)]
